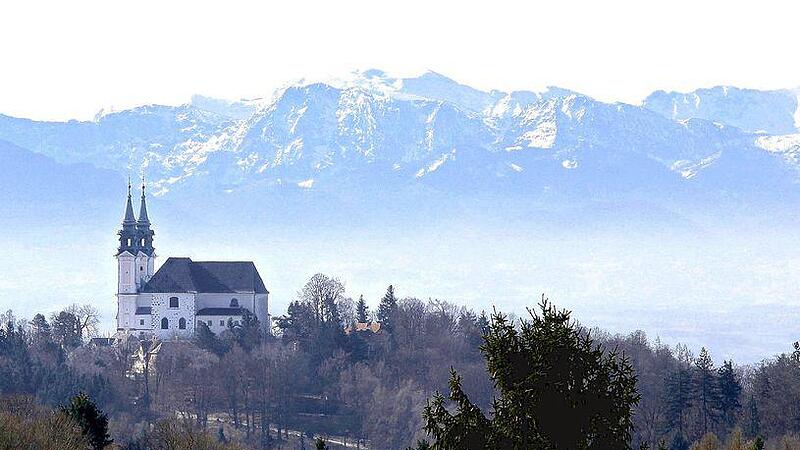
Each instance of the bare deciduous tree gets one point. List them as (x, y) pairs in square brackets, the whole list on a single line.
[(88, 319), (323, 293)]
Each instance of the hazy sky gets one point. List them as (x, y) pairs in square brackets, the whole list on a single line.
[(67, 59)]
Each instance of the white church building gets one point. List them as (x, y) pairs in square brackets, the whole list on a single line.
[(182, 293)]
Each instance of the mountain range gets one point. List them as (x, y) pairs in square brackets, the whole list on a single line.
[(421, 130), (427, 159)]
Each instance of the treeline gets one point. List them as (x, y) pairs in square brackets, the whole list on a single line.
[(320, 375), (687, 399)]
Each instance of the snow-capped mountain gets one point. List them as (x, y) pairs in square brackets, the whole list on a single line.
[(771, 112), (376, 132)]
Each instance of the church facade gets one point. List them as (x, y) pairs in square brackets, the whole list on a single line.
[(173, 301)]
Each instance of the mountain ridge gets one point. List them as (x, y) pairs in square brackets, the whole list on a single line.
[(407, 128)]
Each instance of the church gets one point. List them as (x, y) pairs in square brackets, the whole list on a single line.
[(173, 301)]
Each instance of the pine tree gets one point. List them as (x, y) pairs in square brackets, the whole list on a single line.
[(248, 333), (65, 329), (207, 340), (470, 328), (678, 398), (483, 323), (556, 388), (422, 444), (387, 309), (679, 442), (362, 310), (705, 389), (754, 424), (298, 324), (40, 328), (730, 388), (93, 423)]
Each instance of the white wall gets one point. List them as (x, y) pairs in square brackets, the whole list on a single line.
[(126, 309), (207, 300), (126, 281), (218, 323), (143, 269), (185, 310), (262, 311), (257, 304)]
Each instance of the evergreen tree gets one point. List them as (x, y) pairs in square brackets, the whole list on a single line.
[(362, 310), (387, 309), (483, 323), (421, 445), (705, 389), (247, 333), (557, 390), (320, 444), (40, 328), (207, 340), (679, 442), (730, 388), (678, 398), (90, 418), (754, 424), (65, 330), (470, 328), (16, 367), (298, 324)]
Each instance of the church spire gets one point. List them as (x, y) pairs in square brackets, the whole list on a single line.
[(143, 219), (144, 235), (129, 219), (127, 235)]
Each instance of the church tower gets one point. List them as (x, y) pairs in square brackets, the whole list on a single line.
[(127, 250), (135, 261), (145, 256)]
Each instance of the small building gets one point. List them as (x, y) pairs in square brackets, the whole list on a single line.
[(374, 327)]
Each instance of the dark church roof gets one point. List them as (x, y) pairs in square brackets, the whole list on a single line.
[(185, 275)]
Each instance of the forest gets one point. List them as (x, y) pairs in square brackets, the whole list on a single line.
[(324, 379)]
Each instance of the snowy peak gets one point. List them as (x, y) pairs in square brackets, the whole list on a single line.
[(435, 86), (773, 112), (234, 110), (372, 127)]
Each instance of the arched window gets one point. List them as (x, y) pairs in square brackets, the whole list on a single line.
[(182, 323), (173, 302), (164, 324), (234, 303)]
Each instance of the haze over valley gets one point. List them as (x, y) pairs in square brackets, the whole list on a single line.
[(677, 216)]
